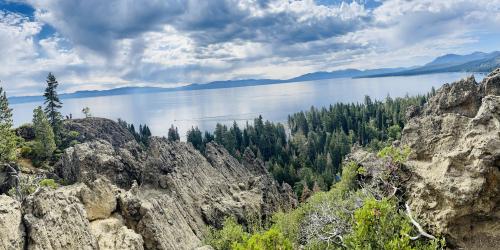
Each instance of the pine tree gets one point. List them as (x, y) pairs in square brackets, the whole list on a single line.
[(195, 137), (173, 134), (7, 135), (52, 106), (44, 135)]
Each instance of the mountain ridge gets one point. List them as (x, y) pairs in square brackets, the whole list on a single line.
[(474, 62)]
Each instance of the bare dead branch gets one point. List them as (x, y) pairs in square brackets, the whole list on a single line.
[(421, 231)]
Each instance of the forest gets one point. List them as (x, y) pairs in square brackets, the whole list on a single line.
[(307, 152)]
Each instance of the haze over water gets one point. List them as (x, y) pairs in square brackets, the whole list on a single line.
[(206, 108)]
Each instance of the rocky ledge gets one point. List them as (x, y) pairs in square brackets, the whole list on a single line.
[(455, 162), (452, 178), (124, 196)]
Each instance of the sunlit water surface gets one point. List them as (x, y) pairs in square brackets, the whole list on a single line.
[(206, 108)]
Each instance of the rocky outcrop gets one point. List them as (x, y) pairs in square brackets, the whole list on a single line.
[(57, 220), (88, 161), (159, 197), (111, 233), (93, 128), (455, 162), (11, 227), (79, 216)]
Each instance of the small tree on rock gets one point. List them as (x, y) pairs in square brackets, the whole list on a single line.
[(44, 135), (7, 135), (86, 112)]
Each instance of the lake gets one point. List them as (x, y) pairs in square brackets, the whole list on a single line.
[(206, 108)]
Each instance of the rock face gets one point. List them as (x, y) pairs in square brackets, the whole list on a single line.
[(57, 220), (160, 197), (11, 227), (79, 216), (94, 128), (455, 162)]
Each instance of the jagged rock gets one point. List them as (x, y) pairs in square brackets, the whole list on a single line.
[(11, 227), (87, 161), (455, 163), (175, 191), (161, 221), (111, 234), (491, 83), (7, 177), (56, 220), (98, 198), (412, 111), (93, 128), (462, 97)]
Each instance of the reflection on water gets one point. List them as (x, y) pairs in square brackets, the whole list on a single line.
[(205, 108)]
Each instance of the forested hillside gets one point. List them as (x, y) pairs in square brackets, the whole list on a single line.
[(310, 156)]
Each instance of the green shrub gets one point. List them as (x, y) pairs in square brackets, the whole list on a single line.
[(379, 225), (394, 132), (26, 151), (394, 154), (289, 223), (48, 183), (271, 239), (348, 181), (223, 239)]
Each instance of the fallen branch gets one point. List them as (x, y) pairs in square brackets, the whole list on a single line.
[(417, 225)]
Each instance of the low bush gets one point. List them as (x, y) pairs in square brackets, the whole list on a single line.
[(48, 183), (380, 225), (271, 239), (230, 234)]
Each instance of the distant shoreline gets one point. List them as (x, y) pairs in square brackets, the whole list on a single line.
[(212, 85)]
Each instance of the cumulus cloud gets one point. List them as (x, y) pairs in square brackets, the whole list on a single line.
[(103, 44)]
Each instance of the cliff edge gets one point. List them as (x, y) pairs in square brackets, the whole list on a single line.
[(121, 195), (455, 162)]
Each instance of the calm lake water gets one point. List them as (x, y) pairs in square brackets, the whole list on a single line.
[(206, 108)]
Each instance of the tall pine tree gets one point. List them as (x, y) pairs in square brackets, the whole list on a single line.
[(52, 106), (7, 135), (173, 134)]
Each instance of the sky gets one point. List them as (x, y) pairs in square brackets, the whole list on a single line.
[(95, 44)]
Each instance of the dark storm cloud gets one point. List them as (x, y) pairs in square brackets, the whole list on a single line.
[(96, 24)]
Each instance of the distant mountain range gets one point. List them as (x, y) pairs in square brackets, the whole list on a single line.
[(475, 62)]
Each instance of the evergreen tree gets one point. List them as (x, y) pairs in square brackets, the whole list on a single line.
[(208, 137), (52, 106), (173, 134), (144, 134), (44, 135), (7, 135), (195, 137)]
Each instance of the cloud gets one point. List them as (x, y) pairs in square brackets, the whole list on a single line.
[(101, 44)]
